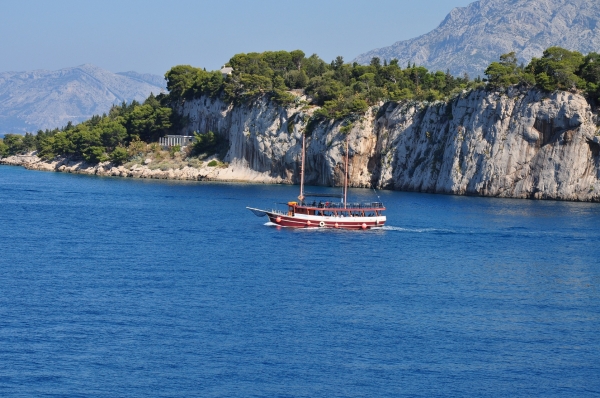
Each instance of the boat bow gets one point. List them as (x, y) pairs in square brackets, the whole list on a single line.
[(257, 212)]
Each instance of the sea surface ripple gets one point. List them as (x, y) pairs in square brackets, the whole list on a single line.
[(127, 288)]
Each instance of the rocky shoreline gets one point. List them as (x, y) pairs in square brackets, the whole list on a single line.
[(234, 172), (522, 144)]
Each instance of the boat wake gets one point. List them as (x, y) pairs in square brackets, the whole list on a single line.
[(417, 230), (272, 224)]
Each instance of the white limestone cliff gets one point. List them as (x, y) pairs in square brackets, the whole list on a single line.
[(518, 144)]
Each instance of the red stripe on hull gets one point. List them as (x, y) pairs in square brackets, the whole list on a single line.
[(293, 222)]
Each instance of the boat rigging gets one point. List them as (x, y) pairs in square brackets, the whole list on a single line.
[(338, 215)]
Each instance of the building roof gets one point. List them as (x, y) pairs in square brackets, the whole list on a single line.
[(226, 70)]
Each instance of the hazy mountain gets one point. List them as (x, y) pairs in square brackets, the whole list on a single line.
[(42, 99), (155, 80), (471, 37)]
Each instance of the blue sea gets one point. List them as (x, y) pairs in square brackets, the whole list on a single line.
[(116, 287)]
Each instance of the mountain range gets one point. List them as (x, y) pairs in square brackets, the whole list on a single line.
[(471, 37), (42, 99), (466, 41)]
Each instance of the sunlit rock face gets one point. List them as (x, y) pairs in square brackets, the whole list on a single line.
[(471, 37), (515, 144)]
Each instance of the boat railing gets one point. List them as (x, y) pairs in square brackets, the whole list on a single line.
[(333, 205)]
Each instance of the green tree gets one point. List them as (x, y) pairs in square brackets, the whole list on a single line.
[(181, 79), (279, 83), (251, 63), (205, 143), (314, 66), (376, 62), (14, 143), (119, 155), (213, 84), (95, 154), (45, 146), (61, 144), (557, 69), (28, 142), (297, 58), (368, 79), (152, 101), (338, 62), (112, 134), (296, 79), (278, 61), (283, 97), (84, 139), (149, 123), (504, 73), (3, 148), (248, 86), (590, 72)]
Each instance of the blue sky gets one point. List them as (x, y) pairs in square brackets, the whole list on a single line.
[(151, 36)]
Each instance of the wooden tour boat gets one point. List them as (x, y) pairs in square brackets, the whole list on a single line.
[(326, 214)]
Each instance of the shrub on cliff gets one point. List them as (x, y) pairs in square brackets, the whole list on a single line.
[(343, 107)]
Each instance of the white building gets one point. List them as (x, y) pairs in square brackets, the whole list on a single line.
[(172, 140), (226, 71)]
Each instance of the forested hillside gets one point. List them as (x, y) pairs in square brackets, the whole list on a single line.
[(337, 89)]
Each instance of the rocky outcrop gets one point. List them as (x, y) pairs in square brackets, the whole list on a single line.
[(267, 138), (471, 37), (515, 144)]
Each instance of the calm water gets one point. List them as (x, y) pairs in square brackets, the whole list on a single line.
[(119, 287)]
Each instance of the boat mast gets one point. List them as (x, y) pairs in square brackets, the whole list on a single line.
[(346, 175), (301, 197)]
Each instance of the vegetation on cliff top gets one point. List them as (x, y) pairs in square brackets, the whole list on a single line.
[(340, 89), (557, 69)]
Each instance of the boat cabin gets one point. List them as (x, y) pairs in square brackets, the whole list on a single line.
[(331, 209)]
